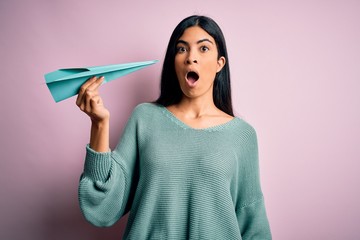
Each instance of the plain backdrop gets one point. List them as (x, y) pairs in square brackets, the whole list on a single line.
[(295, 68)]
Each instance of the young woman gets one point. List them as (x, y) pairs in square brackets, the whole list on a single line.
[(185, 167)]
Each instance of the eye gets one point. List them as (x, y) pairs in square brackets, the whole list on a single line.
[(204, 49), (180, 49)]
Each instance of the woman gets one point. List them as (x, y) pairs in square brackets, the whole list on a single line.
[(185, 167)]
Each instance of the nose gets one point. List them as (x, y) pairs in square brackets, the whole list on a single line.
[(188, 61), (191, 58)]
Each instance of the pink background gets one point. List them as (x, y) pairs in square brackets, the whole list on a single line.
[(295, 75)]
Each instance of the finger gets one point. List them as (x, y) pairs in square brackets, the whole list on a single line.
[(96, 84), (89, 95), (95, 101), (89, 82), (83, 88), (83, 102), (91, 91)]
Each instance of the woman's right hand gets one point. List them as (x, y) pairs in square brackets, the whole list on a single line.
[(90, 102)]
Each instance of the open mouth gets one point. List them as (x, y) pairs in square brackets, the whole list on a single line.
[(192, 77)]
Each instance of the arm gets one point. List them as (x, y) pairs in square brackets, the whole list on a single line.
[(250, 208), (108, 183), (105, 185), (99, 136), (90, 102), (253, 222)]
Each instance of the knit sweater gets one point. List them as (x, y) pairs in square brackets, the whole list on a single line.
[(177, 182)]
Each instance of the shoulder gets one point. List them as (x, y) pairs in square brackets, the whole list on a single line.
[(147, 107), (242, 133), (240, 125), (146, 110)]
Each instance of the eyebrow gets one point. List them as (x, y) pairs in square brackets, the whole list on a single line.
[(200, 41)]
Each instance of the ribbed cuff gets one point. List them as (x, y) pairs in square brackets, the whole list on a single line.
[(97, 165)]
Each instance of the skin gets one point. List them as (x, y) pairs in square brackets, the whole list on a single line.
[(90, 102), (196, 51)]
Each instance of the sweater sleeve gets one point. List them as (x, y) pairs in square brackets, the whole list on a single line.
[(108, 181), (250, 207)]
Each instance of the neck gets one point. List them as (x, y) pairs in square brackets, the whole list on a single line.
[(196, 107)]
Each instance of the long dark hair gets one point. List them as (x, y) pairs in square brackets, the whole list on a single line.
[(170, 89)]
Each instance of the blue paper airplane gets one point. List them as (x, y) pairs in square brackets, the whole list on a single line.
[(65, 83)]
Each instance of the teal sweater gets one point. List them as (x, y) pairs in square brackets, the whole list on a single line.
[(176, 181)]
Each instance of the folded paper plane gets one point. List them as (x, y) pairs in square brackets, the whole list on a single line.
[(65, 83)]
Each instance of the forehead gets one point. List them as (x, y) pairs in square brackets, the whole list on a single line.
[(194, 34)]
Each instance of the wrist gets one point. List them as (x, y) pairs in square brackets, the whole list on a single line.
[(99, 136), (100, 123)]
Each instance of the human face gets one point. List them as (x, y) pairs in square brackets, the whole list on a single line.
[(197, 62)]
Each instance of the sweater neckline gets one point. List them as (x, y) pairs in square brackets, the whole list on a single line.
[(183, 125)]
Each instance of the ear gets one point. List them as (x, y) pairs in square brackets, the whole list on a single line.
[(221, 63)]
